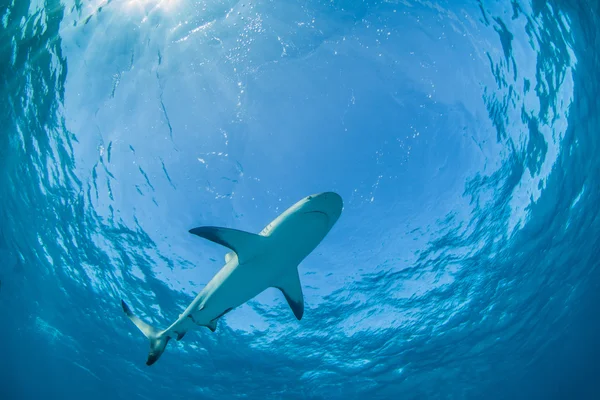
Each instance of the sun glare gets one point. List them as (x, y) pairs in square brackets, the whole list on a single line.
[(144, 8), (149, 6)]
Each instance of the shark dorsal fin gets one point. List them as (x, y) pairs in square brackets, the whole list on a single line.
[(292, 290), (229, 256), (244, 244)]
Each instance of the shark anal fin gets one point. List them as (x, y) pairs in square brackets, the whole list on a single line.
[(180, 336), (292, 290), (244, 244)]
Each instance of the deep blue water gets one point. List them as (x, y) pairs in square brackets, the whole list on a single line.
[(462, 135)]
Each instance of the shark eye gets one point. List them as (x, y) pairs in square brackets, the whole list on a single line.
[(309, 197)]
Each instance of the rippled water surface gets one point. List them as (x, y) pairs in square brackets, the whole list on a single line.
[(463, 137)]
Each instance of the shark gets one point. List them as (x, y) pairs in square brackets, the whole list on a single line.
[(256, 262)]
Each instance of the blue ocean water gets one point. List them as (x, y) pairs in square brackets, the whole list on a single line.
[(462, 135)]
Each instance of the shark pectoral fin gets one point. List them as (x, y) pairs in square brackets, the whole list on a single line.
[(244, 244), (212, 325), (292, 290), (229, 256)]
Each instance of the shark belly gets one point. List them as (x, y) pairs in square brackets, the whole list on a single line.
[(242, 283)]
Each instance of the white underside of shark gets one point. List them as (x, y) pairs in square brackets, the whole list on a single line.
[(257, 262)]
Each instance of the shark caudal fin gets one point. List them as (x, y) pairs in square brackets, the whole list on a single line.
[(158, 339)]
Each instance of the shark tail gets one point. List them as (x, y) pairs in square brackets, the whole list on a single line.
[(158, 339)]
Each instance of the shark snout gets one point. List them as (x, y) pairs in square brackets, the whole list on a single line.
[(333, 197), (328, 203)]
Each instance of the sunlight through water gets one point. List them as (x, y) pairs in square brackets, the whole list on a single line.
[(461, 135)]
